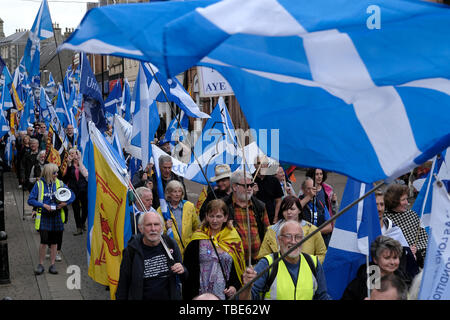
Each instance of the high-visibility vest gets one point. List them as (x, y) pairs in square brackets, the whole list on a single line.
[(37, 222), (283, 287)]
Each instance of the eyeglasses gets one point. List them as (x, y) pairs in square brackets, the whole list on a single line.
[(289, 237), (251, 184), (56, 172)]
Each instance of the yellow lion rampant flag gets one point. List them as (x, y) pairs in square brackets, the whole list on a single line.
[(201, 199), (106, 236)]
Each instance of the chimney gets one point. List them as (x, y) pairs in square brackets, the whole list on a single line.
[(2, 34)]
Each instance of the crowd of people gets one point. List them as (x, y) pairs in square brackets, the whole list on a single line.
[(222, 243)]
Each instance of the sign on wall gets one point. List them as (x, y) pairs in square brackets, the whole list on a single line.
[(212, 83)]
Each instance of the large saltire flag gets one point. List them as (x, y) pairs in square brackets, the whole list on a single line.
[(320, 64), (352, 235), (108, 224)]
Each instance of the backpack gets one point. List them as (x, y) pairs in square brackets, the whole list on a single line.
[(274, 271)]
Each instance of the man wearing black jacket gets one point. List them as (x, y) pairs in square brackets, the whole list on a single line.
[(151, 266)]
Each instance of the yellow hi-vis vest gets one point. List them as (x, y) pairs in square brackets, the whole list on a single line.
[(283, 287), (37, 222)]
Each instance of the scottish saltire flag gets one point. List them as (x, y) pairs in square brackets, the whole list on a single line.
[(109, 226), (174, 132), (4, 125), (51, 82), (27, 114), (68, 81), (125, 99), (124, 132), (117, 145), (162, 200), (44, 103), (434, 285), (62, 111), (42, 29), (287, 63), (422, 204), (6, 99), (217, 145), (114, 99), (146, 117), (173, 89), (92, 95), (352, 235)]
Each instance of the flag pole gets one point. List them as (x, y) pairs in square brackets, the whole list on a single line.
[(309, 236), (59, 59), (179, 124)]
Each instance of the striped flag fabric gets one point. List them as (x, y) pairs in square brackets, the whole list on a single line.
[(334, 73), (350, 241)]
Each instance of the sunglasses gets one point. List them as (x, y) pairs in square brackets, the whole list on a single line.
[(251, 184), (56, 172)]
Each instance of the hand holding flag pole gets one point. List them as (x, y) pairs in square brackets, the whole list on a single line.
[(309, 236)]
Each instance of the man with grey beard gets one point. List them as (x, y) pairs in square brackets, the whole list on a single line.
[(297, 276), (151, 266), (238, 201)]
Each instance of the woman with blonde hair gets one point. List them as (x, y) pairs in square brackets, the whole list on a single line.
[(215, 256), (51, 214), (184, 219)]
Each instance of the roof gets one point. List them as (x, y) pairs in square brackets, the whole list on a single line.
[(15, 38)]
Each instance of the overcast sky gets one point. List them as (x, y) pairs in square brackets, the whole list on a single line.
[(20, 14)]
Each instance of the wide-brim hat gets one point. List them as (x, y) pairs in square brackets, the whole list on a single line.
[(221, 171)]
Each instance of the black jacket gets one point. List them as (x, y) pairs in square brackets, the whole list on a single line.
[(131, 278), (70, 179)]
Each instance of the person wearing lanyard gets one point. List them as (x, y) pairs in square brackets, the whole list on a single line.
[(314, 210)]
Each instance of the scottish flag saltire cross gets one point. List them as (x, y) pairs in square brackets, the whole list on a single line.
[(146, 117), (114, 98), (352, 235), (4, 126), (288, 65)]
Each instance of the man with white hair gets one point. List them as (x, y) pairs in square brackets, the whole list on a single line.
[(238, 201), (298, 276), (151, 264), (139, 207)]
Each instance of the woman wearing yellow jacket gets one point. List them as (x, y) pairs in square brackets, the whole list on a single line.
[(291, 210), (184, 219)]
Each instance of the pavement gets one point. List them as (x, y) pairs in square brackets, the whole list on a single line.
[(23, 243)]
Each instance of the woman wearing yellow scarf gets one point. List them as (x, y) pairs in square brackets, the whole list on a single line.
[(214, 257)]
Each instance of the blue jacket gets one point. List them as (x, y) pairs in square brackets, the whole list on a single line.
[(49, 198)]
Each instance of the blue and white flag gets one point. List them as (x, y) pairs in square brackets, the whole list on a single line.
[(217, 145), (92, 96), (6, 99), (61, 108), (350, 241), (114, 98), (146, 117), (51, 82), (27, 118), (288, 65), (173, 89), (434, 284), (174, 132), (126, 99), (422, 204), (4, 125), (44, 103), (9, 148), (42, 29), (67, 81), (83, 139)]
